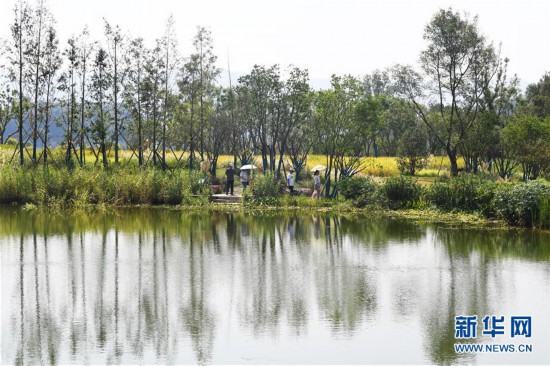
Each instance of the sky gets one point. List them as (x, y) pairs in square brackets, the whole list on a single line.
[(326, 37)]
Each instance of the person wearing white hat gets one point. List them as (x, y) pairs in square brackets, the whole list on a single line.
[(290, 180)]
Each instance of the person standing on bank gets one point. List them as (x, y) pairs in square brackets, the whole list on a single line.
[(290, 180), (244, 178), (230, 174), (316, 185)]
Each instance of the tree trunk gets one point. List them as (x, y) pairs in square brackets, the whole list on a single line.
[(82, 101), (191, 133), (116, 106), (201, 107), (155, 124), (47, 123), (140, 139), (21, 156), (102, 116), (165, 112), (37, 77), (214, 167), (454, 164), (164, 145)]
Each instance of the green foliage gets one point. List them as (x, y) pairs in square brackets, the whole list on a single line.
[(413, 150), (529, 138), (401, 192), (465, 193), (396, 118), (339, 123), (352, 188), (538, 95), (526, 205), (265, 190), (14, 186), (362, 190), (455, 63), (369, 117)]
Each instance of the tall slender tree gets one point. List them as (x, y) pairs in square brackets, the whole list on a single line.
[(42, 21), (152, 94), (51, 65), (115, 49), (85, 51), (207, 74), (218, 128), (19, 50), (101, 82), (133, 93), (188, 84), (169, 47), (68, 85)]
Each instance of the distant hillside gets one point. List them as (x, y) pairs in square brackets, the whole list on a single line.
[(55, 135)]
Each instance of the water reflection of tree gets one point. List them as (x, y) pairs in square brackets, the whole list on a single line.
[(20, 355), (137, 334), (198, 319), (293, 262), (463, 289), (274, 273), (99, 311), (37, 338), (50, 325), (345, 292)]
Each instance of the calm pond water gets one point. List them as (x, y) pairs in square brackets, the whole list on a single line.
[(164, 286)]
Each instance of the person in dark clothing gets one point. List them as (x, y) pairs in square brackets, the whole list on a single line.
[(230, 174)]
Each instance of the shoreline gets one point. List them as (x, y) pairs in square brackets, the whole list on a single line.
[(426, 216)]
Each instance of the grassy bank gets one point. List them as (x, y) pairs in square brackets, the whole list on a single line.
[(517, 204), (98, 186)]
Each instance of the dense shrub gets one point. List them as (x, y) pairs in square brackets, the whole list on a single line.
[(401, 192), (354, 187), (525, 204), (463, 193), (265, 189), (363, 191)]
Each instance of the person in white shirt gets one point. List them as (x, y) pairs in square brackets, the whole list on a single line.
[(244, 178), (316, 185), (290, 180)]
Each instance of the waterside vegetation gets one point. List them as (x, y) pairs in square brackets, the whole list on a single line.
[(517, 204)]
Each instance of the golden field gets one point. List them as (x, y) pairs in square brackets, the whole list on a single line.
[(377, 167)]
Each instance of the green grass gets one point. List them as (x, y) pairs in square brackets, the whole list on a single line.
[(98, 186)]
